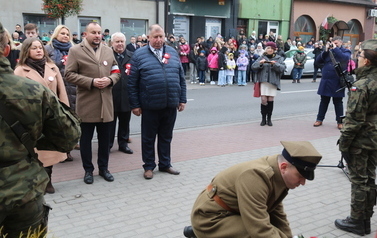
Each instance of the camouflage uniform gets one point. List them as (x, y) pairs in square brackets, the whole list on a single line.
[(359, 141), (22, 178)]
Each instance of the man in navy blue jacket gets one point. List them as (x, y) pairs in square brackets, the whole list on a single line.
[(157, 89)]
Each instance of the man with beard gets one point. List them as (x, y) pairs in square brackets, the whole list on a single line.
[(91, 66)]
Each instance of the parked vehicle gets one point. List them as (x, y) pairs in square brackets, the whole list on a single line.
[(309, 66)]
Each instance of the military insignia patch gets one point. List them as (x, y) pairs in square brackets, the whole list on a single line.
[(354, 89)]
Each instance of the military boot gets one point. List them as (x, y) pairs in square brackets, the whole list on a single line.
[(49, 188), (351, 225)]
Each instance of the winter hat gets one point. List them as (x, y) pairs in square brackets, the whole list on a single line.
[(203, 51), (271, 44), (301, 48)]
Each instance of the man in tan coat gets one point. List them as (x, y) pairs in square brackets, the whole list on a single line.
[(245, 200), (92, 67)]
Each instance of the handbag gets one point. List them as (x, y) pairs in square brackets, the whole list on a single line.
[(257, 89)]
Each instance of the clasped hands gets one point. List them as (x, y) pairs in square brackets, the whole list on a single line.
[(101, 82)]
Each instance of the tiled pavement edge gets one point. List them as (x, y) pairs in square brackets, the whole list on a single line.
[(134, 207)]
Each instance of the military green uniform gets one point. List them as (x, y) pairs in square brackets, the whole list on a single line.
[(359, 140), (23, 179), (255, 190), (245, 200)]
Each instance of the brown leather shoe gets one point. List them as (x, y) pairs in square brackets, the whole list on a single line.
[(340, 126), (170, 171), (317, 124), (148, 174)]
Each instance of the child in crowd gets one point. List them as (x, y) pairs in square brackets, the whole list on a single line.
[(242, 63), (213, 65), (202, 67), (231, 66)]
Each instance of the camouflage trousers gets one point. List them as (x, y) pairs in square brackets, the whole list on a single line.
[(32, 216), (362, 171)]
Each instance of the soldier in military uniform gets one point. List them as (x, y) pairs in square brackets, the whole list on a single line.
[(245, 200), (358, 142), (50, 127)]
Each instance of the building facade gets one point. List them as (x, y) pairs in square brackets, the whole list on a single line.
[(196, 18), (350, 19), (264, 16), (131, 17)]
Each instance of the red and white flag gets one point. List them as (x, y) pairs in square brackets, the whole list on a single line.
[(325, 24)]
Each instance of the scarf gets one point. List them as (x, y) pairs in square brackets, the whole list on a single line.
[(269, 56), (61, 49), (37, 65)]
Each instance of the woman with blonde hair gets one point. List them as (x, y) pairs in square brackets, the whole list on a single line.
[(57, 48), (35, 64), (14, 53)]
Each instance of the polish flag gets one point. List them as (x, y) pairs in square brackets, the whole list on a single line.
[(325, 24), (115, 70)]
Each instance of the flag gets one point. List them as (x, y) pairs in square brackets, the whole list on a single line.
[(325, 24)]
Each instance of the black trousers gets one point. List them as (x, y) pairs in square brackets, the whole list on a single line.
[(103, 135), (158, 123), (123, 128)]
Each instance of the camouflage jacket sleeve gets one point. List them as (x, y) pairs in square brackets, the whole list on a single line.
[(360, 123), (61, 127)]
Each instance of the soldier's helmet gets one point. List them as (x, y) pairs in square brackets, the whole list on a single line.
[(369, 45)]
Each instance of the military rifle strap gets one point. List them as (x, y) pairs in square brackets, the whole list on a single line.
[(22, 134)]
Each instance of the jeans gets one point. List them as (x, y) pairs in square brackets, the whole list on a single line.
[(193, 73), (222, 77), (324, 104), (315, 72), (241, 77), (297, 73), (202, 76), (229, 79)]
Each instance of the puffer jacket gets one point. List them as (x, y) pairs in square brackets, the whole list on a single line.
[(213, 59), (155, 85)]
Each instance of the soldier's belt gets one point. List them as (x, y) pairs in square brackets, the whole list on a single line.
[(211, 188)]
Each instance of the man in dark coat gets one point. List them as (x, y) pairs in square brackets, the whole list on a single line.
[(132, 46), (157, 89), (122, 110)]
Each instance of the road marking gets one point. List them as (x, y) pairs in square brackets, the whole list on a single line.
[(190, 100), (301, 91)]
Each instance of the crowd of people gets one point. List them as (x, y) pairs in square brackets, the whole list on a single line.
[(104, 80)]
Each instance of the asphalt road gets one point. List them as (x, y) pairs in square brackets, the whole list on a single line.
[(211, 105)]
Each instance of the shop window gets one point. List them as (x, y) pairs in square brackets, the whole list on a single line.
[(133, 27), (45, 25)]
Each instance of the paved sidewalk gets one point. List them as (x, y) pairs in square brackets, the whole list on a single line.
[(134, 207)]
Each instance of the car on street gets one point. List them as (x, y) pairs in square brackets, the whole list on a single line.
[(309, 65)]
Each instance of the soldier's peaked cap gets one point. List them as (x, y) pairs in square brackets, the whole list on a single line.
[(369, 45), (303, 156)]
